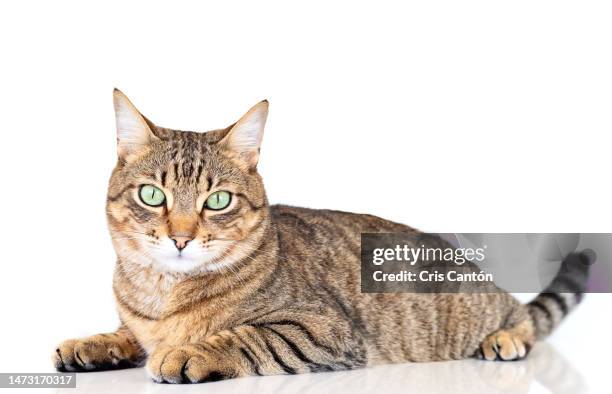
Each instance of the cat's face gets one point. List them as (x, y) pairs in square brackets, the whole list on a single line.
[(183, 201)]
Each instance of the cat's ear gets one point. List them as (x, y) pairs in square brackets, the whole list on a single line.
[(243, 140), (133, 133)]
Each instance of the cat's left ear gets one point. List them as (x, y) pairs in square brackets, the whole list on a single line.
[(133, 133), (243, 140)]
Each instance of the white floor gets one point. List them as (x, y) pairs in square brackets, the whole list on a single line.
[(546, 370)]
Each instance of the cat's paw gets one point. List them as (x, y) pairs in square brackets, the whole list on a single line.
[(94, 353), (503, 345), (186, 364)]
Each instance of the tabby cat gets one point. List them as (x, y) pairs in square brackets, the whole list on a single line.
[(212, 282)]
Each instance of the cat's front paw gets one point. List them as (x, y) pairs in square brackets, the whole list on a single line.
[(96, 353), (186, 364)]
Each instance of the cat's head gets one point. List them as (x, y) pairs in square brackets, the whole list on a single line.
[(182, 201)]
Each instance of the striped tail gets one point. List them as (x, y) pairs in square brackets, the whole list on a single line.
[(549, 308)]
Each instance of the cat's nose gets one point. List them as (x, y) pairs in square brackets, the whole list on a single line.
[(180, 241)]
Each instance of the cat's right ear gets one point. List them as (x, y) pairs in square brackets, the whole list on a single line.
[(133, 133)]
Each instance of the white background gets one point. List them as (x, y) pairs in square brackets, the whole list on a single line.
[(447, 116)]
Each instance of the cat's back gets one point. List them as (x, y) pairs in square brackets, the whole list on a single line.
[(321, 248), (329, 226)]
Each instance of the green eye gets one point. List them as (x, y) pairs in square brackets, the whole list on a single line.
[(218, 200), (152, 195)]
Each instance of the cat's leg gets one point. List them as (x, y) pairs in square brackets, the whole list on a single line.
[(99, 352), (508, 344), (270, 349)]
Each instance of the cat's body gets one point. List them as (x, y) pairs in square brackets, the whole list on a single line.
[(297, 276), (271, 289)]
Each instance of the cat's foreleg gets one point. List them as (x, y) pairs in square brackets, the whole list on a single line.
[(268, 349), (114, 350)]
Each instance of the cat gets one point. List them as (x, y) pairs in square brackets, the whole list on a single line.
[(211, 282)]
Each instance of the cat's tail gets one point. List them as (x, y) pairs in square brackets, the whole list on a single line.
[(549, 308)]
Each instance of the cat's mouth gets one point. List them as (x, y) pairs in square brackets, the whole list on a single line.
[(204, 257)]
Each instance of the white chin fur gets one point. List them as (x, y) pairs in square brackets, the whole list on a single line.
[(192, 258), (178, 264)]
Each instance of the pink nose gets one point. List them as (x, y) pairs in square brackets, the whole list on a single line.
[(180, 241)]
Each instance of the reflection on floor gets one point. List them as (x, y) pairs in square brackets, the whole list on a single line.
[(544, 370)]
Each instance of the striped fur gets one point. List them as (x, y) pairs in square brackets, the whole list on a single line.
[(277, 289), (564, 293)]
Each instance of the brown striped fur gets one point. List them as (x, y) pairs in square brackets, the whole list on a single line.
[(278, 288)]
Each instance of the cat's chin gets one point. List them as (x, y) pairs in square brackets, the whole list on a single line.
[(187, 264), (189, 260), (180, 264)]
